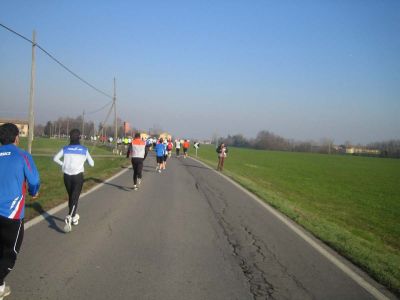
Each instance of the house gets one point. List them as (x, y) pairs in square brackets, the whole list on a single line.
[(22, 125), (165, 136), (144, 136), (362, 151)]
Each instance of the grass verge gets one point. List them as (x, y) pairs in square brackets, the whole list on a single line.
[(52, 190)]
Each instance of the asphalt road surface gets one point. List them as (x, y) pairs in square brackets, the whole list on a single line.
[(187, 233)]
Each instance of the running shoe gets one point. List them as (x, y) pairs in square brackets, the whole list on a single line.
[(135, 188), (68, 227), (75, 220), (5, 292), (159, 171), (139, 181)]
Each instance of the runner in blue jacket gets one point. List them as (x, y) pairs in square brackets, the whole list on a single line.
[(18, 173), (160, 152)]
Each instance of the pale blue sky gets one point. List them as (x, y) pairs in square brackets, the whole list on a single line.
[(301, 69)]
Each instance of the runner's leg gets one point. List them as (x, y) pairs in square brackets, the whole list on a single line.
[(140, 168), (68, 182), (76, 192), (11, 236)]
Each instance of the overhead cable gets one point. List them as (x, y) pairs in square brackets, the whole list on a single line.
[(101, 108), (57, 61)]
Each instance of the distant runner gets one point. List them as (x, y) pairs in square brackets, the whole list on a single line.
[(165, 154), (160, 152), (222, 151), (137, 151), (17, 173), (177, 147), (170, 146), (186, 146), (75, 156)]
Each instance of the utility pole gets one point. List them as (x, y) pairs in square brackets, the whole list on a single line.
[(31, 95), (115, 116), (67, 127), (83, 126)]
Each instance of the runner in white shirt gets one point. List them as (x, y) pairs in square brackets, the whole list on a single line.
[(177, 147), (75, 156)]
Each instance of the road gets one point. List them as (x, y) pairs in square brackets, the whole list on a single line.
[(187, 233)]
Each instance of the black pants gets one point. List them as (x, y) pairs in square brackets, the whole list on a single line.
[(177, 151), (11, 236), (137, 165), (73, 184)]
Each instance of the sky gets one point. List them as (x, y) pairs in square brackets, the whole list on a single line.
[(305, 70)]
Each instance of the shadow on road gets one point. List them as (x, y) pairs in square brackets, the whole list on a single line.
[(148, 169), (49, 218), (97, 180), (198, 167)]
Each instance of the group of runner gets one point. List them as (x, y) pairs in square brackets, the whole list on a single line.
[(18, 174)]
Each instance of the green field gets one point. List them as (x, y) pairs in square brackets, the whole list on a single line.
[(52, 190), (350, 203)]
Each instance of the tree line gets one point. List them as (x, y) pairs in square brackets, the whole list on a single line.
[(266, 140), (62, 126)]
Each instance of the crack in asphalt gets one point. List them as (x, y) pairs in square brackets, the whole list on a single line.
[(260, 288), (267, 276)]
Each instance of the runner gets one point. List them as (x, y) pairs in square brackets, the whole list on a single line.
[(137, 151), (165, 154), (160, 152), (170, 146), (75, 156), (16, 168), (186, 146), (177, 147), (222, 151)]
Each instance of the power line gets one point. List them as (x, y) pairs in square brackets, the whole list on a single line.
[(20, 35), (101, 108), (57, 61)]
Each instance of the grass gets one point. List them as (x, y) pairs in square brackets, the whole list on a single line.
[(350, 203), (52, 190), (52, 146)]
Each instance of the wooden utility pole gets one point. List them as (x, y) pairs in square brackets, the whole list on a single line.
[(115, 116), (83, 127), (31, 95)]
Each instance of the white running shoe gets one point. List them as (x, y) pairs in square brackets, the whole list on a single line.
[(5, 292), (139, 181), (135, 187), (75, 220), (68, 227), (159, 171)]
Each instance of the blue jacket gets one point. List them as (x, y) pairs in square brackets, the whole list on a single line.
[(17, 170), (160, 150)]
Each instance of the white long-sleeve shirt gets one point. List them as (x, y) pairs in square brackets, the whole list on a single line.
[(74, 159)]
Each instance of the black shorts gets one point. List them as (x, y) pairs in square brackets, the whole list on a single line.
[(165, 157), (160, 159), (185, 150)]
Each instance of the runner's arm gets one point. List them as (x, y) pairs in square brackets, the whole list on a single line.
[(89, 159), (129, 151), (58, 156), (31, 175)]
